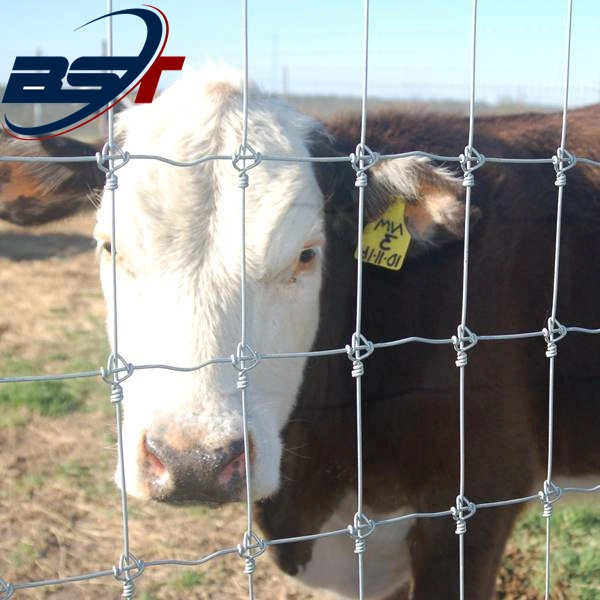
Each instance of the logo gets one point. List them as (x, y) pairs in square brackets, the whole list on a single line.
[(92, 79)]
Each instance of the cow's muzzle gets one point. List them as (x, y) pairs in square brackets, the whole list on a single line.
[(192, 474)]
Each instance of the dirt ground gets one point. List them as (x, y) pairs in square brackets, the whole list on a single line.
[(60, 514)]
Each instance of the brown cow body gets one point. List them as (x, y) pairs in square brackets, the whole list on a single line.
[(410, 392)]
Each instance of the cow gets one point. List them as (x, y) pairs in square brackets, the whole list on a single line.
[(178, 248)]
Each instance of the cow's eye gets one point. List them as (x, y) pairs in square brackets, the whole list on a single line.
[(307, 256), (105, 248), (307, 260)]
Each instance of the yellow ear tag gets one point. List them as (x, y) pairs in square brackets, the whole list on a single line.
[(386, 240)]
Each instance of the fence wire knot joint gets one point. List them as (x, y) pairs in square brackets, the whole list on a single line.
[(553, 333), (117, 370), (463, 510), (128, 569), (470, 161), (250, 549), (362, 160), (116, 394), (563, 160), (116, 158), (361, 528), (353, 350), (548, 496), (244, 359), (244, 159), (463, 341)]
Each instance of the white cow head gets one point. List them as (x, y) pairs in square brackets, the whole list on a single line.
[(178, 243)]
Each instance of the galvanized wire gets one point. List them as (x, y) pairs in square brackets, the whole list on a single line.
[(126, 559), (118, 369), (550, 494), (360, 527), (463, 339), (252, 545), (107, 372)]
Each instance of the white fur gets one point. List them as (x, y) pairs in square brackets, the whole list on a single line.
[(334, 566), (178, 242)]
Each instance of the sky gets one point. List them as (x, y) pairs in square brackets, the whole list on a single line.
[(418, 49)]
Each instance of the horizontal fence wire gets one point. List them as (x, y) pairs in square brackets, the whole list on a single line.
[(107, 373), (118, 369), (130, 368)]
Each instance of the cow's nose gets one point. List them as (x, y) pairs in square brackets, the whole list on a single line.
[(193, 474)]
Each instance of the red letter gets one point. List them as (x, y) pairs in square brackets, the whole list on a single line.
[(149, 81)]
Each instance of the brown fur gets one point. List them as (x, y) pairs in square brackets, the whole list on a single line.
[(36, 193), (410, 393)]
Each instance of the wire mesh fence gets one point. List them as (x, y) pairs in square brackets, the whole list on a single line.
[(245, 357)]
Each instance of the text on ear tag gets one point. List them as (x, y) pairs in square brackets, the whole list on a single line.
[(386, 240)]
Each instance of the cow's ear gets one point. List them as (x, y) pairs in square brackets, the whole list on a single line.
[(32, 193), (435, 207)]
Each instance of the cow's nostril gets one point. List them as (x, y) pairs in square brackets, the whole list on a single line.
[(154, 466), (233, 471), (233, 461)]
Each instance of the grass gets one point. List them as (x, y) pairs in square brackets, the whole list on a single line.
[(182, 585), (55, 398), (575, 550), (47, 398), (24, 553), (187, 580), (82, 476)]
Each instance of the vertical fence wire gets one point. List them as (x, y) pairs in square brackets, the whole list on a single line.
[(462, 344), (549, 493), (115, 321), (248, 547), (360, 524), (125, 562)]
